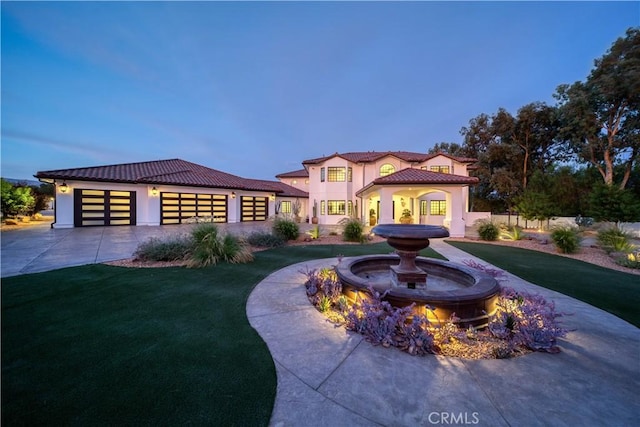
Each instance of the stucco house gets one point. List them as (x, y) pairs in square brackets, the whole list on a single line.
[(161, 192), (379, 186), (434, 188)]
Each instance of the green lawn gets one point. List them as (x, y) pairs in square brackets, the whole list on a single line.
[(101, 345), (613, 291)]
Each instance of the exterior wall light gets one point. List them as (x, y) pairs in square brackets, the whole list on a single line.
[(64, 187), (233, 194), (273, 196), (154, 191)]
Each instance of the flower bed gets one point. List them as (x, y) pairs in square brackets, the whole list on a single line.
[(523, 322)]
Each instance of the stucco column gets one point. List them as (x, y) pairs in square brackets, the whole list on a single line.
[(386, 206), (455, 212)]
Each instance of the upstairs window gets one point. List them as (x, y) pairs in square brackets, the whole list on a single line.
[(321, 174), (441, 169), (337, 174), (387, 169)]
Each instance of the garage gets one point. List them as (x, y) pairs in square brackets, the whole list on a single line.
[(176, 208), (104, 207), (254, 208)]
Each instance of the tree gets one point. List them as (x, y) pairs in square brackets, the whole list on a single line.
[(15, 200), (498, 166), (42, 194), (601, 116), (611, 203), (450, 148), (535, 205)]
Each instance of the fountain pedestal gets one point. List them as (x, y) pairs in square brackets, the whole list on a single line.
[(408, 240), (407, 274)]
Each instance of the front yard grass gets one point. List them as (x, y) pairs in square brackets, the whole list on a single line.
[(102, 345), (613, 291)]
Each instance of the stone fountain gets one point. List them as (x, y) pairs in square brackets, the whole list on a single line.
[(436, 288)]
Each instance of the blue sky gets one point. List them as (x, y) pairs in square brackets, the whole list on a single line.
[(254, 88)]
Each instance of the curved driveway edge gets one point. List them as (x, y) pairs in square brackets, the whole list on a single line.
[(327, 376)]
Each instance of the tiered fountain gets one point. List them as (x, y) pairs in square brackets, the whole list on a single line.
[(437, 288)]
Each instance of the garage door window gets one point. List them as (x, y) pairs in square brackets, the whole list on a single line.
[(104, 207), (179, 207)]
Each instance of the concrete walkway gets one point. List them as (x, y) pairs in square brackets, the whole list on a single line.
[(329, 377)]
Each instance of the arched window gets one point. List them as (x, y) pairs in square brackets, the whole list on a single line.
[(387, 169)]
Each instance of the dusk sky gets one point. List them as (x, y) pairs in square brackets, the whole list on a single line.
[(255, 88)]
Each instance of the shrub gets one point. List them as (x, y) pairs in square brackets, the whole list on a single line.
[(286, 228), (173, 249), (210, 247), (527, 320), (513, 233), (567, 239), (615, 239), (383, 324), (631, 260), (314, 233), (353, 230), (487, 230), (265, 239), (323, 285)]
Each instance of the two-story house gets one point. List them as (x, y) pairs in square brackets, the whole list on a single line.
[(380, 186)]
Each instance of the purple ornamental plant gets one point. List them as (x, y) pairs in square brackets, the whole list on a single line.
[(528, 320)]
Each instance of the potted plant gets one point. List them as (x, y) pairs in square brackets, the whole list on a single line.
[(406, 217), (314, 218), (372, 217), (295, 209)]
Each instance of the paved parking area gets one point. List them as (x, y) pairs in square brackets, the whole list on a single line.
[(40, 248)]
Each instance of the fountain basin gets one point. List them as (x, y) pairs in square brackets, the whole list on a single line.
[(452, 288)]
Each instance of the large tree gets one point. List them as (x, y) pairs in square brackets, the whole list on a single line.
[(601, 116)]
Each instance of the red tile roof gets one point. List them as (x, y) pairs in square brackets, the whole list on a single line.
[(372, 156), (411, 176), (169, 172), (302, 173), (283, 190)]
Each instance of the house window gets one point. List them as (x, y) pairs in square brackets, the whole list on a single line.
[(349, 174), (323, 208), (336, 207), (350, 207), (423, 207), (285, 207), (387, 169), (321, 174), (337, 174), (438, 207), (441, 169)]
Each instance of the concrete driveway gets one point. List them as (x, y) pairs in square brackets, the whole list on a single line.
[(40, 248)]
